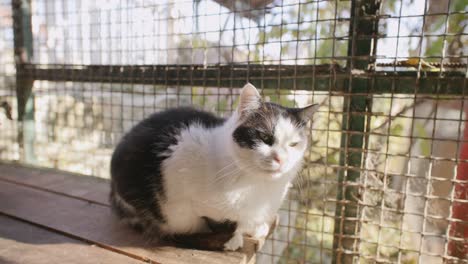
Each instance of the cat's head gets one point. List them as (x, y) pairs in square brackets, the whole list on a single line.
[(269, 139)]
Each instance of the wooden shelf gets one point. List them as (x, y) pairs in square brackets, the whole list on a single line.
[(48, 216)]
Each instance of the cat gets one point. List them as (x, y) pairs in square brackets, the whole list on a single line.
[(203, 181)]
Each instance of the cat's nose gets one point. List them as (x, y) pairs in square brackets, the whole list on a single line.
[(277, 158)]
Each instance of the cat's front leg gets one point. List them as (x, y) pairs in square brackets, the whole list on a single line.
[(260, 231), (236, 242), (263, 229)]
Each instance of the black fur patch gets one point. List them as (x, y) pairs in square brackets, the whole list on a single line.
[(295, 116), (226, 226), (246, 136), (221, 232), (136, 162)]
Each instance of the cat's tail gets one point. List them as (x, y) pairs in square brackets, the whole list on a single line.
[(119, 206), (129, 215)]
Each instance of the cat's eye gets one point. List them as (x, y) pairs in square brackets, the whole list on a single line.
[(267, 139), (293, 144)]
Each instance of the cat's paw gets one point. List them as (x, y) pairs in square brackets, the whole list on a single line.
[(261, 231), (236, 242)]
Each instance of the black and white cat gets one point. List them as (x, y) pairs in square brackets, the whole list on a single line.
[(190, 176)]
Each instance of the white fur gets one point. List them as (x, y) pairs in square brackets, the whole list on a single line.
[(208, 174)]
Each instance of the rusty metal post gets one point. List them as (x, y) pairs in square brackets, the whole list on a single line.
[(23, 50), (357, 102)]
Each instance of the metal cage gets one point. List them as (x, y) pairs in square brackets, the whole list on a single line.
[(386, 177)]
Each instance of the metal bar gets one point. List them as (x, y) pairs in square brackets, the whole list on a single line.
[(364, 22), (452, 82), (22, 37), (23, 50)]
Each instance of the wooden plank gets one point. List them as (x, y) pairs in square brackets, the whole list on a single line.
[(94, 222), (82, 186), (24, 243)]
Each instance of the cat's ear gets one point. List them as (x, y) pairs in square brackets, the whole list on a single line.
[(307, 113), (249, 100)]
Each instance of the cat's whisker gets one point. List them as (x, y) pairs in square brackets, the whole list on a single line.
[(226, 175), (298, 185), (225, 167), (231, 174), (237, 168)]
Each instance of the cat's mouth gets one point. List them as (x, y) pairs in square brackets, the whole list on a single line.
[(273, 170)]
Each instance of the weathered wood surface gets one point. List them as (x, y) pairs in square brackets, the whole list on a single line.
[(80, 186), (76, 207), (25, 243)]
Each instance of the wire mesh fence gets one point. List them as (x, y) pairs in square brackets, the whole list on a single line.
[(385, 179)]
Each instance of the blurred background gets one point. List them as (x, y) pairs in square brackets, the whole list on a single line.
[(384, 172)]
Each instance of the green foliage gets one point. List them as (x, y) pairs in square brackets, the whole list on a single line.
[(313, 240), (425, 145), (436, 24), (308, 30)]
